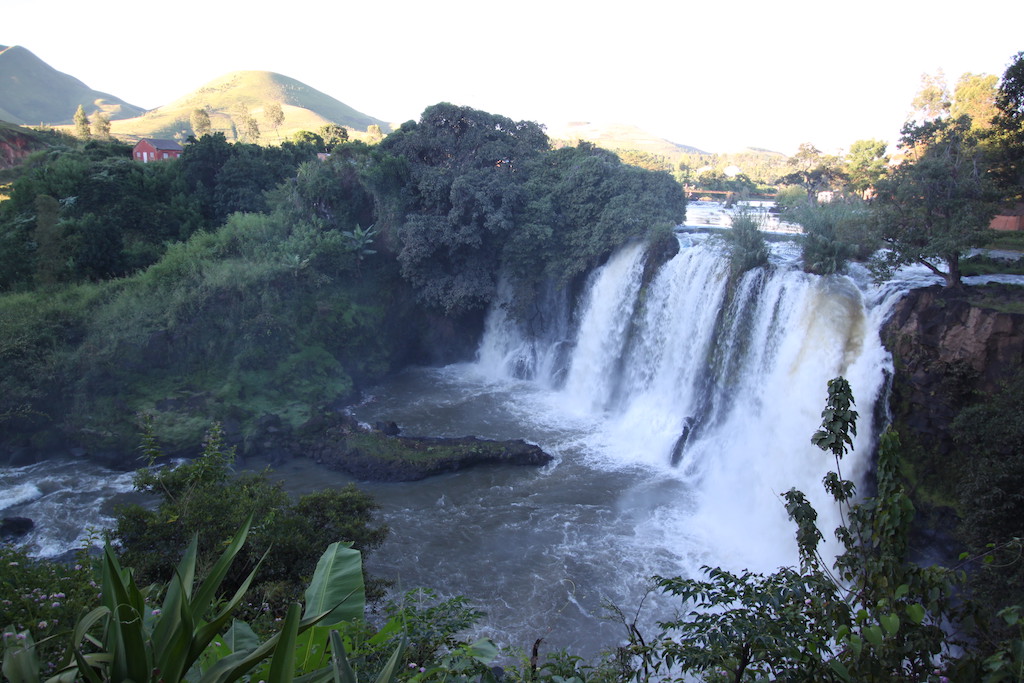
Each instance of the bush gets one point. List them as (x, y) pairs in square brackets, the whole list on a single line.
[(204, 497), (747, 246), (43, 598), (834, 233)]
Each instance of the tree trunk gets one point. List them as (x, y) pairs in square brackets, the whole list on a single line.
[(953, 280)]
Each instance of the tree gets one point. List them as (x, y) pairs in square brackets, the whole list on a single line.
[(932, 100), (82, 128), (333, 135), (252, 130), (1008, 131), (815, 171), (200, 120), (274, 116), (975, 97), (938, 203), (374, 133), (309, 137), (101, 126), (865, 164)]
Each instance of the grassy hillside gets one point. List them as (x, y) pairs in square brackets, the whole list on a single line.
[(304, 108), (33, 92), (619, 137)]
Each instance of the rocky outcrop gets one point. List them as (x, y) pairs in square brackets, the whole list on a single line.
[(339, 442), (950, 348), (13, 528), (948, 345), (15, 146)]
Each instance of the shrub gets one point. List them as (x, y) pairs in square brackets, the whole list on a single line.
[(747, 246), (204, 497)]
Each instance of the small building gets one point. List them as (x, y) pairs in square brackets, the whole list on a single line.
[(152, 149), (1009, 219)]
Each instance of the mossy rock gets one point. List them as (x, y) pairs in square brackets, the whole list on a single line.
[(340, 443)]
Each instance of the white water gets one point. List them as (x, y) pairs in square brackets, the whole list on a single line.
[(742, 374)]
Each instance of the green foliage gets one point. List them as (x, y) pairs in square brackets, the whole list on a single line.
[(485, 196), (789, 197), (835, 233), (82, 129), (936, 205), (747, 246), (191, 635), (333, 135), (747, 626), (429, 624), (1008, 131), (204, 497), (990, 433), (42, 600), (866, 164), (878, 617)]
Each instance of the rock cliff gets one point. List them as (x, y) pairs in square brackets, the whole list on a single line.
[(949, 346), (15, 146)]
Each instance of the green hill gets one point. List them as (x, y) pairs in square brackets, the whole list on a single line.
[(304, 108), (33, 92)]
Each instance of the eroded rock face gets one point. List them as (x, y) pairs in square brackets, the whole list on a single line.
[(947, 345), (14, 148)]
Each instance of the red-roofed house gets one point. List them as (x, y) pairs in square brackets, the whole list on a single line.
[(152, 149)]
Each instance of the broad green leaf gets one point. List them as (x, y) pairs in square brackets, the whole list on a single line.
[(20, 662), (337, 586), (916, 613), (840, 669), (891, 623), (873, 634), (240, 637), (856, 644), (483, 651), (311, 649)]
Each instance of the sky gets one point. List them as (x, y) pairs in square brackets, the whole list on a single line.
[(719, 75)]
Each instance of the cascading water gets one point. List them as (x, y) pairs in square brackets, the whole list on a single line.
[(719, 385)]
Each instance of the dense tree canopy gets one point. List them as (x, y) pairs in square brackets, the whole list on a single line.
[(487, 196), (938, 203)]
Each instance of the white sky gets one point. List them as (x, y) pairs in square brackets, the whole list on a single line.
[(715, 75)]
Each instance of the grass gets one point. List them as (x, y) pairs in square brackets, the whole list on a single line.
[(304, 108), (1009, 241)]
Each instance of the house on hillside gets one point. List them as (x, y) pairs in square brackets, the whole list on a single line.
[(152, 149)]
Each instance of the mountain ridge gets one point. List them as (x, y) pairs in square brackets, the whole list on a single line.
[(304, 108), (33, 92)]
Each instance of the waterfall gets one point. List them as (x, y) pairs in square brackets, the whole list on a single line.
[(715, 383)]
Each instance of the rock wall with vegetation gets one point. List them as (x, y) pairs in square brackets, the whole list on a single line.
[(958, 404), (951, 348)]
